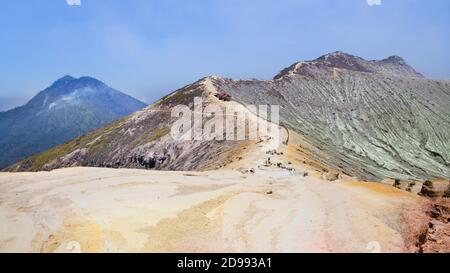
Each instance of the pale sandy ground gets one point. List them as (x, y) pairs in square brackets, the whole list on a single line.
[(105, 210), (228, 210), (140, 211)]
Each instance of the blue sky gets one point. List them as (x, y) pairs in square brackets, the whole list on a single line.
[(148, 48)]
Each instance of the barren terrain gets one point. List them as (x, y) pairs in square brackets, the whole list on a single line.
[(250, 208)]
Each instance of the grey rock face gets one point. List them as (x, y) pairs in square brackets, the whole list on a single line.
[(370, 119)]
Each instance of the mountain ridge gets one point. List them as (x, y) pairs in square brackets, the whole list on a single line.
[(353, 114), (393, 65)]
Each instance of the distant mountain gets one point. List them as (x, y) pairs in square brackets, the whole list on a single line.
[(368, 119), (69, 108)]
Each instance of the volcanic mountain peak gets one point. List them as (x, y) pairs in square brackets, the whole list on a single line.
[(63, 80), (69, 90), (89, 81), (338, 55), (66, 109), (393, 66), (395, 59), (67, 83)]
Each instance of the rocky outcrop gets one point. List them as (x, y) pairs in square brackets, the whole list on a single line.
[(415, 187), (436, 188), (332, 176), (409, 186), (223, 96), (436, 237), (389, 182)]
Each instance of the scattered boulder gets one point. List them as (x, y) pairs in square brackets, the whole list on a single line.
[(243, 170), (332, 176), (223, 96), (305, 174), (401, 184), (415, 187), (269, 192), (407, 185), (435, 189), (389, 182)]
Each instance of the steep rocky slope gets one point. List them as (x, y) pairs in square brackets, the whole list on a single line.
[(369, 119), (68, 108)]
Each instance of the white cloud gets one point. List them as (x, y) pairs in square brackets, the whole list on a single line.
[(374, 2), (73, 2)]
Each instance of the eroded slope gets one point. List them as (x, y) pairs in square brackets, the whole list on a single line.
[(369, 119)]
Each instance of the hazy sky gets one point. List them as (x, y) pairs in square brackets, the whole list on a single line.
[(148, 48)]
